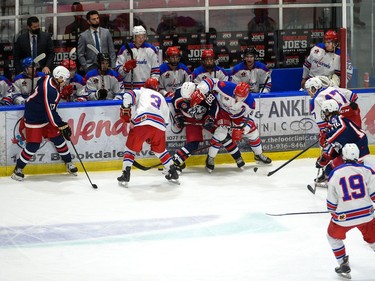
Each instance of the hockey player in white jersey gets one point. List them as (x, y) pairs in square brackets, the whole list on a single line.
[(75, 84), (138, 60), (252, 72), (148, 112), (346, 100), (236, 106), (208, 69), (173, 73), (4, 87), (102, 83), (324, 60), (350, 198)]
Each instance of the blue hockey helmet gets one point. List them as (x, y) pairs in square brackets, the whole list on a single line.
[(27, 62)]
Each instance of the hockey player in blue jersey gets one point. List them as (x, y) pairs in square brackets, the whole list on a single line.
[(41, 120)]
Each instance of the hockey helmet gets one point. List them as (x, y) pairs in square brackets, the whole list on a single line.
[(103, 57), (250, 51), (69, 64), (350, 152), (138, 30), (313, 84), (187, 89), (61, 72), (27, 62), (152, 83), (331, 35), (326, 82), (241, 91), (172, 51), (208, 54), (330, 106)]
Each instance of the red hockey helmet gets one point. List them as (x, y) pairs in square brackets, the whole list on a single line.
[(172, 51), (242, 90), (69, 64), (331, 35), (208, 54), (152, 83)]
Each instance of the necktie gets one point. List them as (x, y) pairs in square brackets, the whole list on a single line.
[(34, 47), (97, 41)]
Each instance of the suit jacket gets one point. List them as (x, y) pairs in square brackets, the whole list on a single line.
[(22, 49), (86, 56)]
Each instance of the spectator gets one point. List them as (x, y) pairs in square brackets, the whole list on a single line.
[(261, 22), (252, 72), (173, 73), (208, 69), (324, 60), (23, 83), (137, 61), (150, 121), (357, 13), (33, 43), (100, 38), (102, 83), (74, 85), (79, 24), (350, 198), (174, 24)]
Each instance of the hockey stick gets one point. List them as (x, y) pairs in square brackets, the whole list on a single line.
[(298, 213), (144, 168), (92, 184), (131, 71), (286, 163), (35, 61), (313, 189)]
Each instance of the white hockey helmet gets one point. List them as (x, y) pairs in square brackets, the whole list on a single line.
[(330, 106), (313, 83), (187, 89), (350, 152), (138, 30), (61, 72), (326, 82)]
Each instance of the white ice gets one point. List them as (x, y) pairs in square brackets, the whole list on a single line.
[(210, 228)]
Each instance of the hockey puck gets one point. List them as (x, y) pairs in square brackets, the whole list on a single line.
[(160, 169), (255, 169)]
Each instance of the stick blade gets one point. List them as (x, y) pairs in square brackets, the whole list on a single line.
[(311, 189)]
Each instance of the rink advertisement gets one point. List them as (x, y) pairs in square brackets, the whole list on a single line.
[(284, 123)]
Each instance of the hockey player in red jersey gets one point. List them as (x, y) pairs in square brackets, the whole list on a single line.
[(350, 197), (41, 120), (148, 111)]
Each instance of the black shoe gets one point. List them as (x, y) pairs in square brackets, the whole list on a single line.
[(344, 268), (125, 177), (17, 174), (261, 158), (210, 164), (172, 174), (240, 163)]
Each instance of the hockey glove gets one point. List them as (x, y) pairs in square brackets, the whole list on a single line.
[(65, 130), (67, 91), (101, 94), (323, 139), (125, 114), (196, 98), (237, 134), (323, 161), (129, 65), (180, 120), (208, 122), (169, 95)]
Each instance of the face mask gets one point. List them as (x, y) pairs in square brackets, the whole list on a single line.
[(35, 31), (95, 25)]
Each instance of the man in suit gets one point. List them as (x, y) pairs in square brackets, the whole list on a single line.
[(33, 43), (100, 38)]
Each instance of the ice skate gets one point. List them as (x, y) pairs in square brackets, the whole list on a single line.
[(172, 175), (321, 181), (125, 177), (210, 164), (262, 159), (344, 268), (71, 168), (179, 167), (17, 174), (240, 163)]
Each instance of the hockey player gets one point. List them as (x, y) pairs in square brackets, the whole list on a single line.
[(195, 119), (208, 69), (102, 83), (75, 84), (345, 98), (137, 61), (341, 131), (4, 87), (350, 197), (173, 73), (41, 120), (252, 72), (324, 60), (148, 111), (21, 89), (236, 106)]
